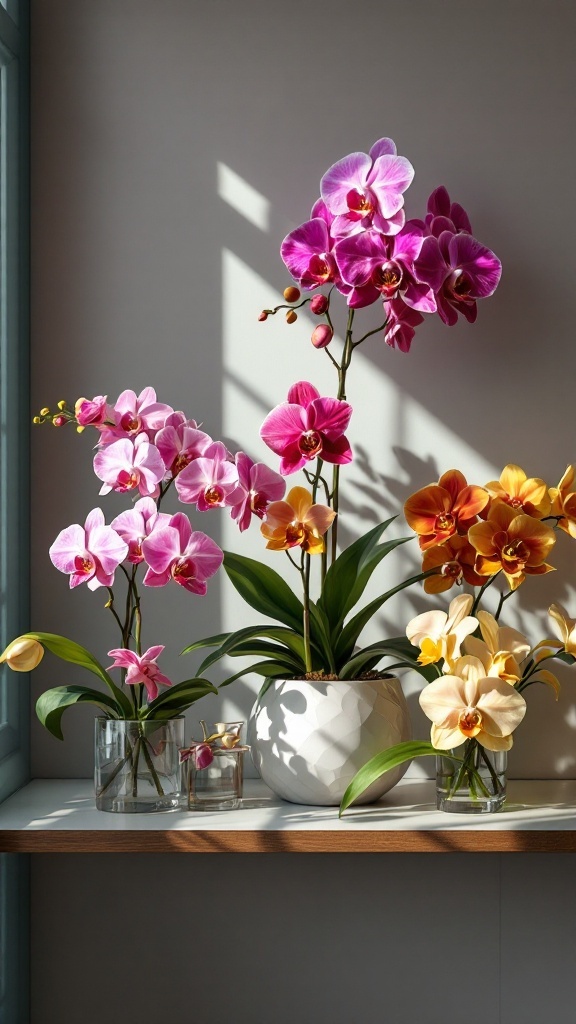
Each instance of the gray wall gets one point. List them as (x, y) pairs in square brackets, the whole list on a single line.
[(150, 264)]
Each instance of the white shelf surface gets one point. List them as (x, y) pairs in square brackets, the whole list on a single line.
[(52, 805)]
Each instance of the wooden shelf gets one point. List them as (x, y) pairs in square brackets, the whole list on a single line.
[(59, 816)]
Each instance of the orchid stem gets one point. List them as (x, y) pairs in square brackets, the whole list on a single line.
[(480, 593), (305, 573), (503, 597)]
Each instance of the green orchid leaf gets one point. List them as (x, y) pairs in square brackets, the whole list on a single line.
[(351, 631), (52, 704), (569, 659), (188, 691), (271, 669), (320, 636), (250, 632), (209, 641), (273, 651), (264, 590), (348, 576), (72, 652), (384, 762)]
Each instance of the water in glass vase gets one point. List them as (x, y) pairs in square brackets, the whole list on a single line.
[(475, 783)]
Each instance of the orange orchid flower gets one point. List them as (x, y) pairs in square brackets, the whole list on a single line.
[(441, 510), (564, 502), (455, 560), (297, 522), (512, 542), (526, 494)]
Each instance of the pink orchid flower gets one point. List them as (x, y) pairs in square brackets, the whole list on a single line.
[(444, 215), (258, 486), (134, 414), (210, 481), (364, 190), (180, 442), (307, 426), (141, 669), (93, 413), (459, 270), (137, 523), (126, 465), (400, 324), (382, 266), (175, 552), (90, 553)]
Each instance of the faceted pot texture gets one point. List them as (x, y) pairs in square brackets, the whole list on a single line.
[(310, 737)]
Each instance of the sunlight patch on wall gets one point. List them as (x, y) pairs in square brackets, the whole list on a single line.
[(244, 198)]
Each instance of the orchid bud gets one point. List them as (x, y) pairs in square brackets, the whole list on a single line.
[(203, 756), (36, 420), (263, 315), (322, 336), (319, 304), (291, 316), (80, 430), (23, 654), (59, 421), (62, 405), (45, 411), (291, 293)]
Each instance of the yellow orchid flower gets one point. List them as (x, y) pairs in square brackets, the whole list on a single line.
[(526, 494), (297, 522), (439, 634), (511, 542), (500, 650), (471, 705), (563, 500), (23, 654)]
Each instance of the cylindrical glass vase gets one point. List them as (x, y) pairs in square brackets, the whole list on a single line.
[(137, 765), (219, 786), (475, 784)]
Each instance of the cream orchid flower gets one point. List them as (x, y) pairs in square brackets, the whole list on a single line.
[(500, 650), (471, 705), (439, 634)]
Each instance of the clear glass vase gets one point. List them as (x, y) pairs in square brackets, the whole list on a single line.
[(475, 784), (137, 765)]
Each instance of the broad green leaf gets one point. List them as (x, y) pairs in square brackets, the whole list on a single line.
[(348, 576), (349, 635), (72, 652), (264, 590), (209, 641), (367, 658), (262, 668), (195, 688), (320, 636), (384, 762), (52, 704), (569, 659), (274, 651), (241, 635)]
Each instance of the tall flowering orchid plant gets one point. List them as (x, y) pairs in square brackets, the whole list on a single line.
[(356, 248)]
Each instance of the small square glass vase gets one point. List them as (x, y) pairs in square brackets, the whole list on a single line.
[(137, 767), (475, 784), (219, 786)]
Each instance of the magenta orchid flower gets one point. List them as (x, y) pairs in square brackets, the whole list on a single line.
[(459, 270), (382, 266), (180, 442), (176, 553), (306, 251), (366, 190), (307, 426), (258, 486), (401, 323), (90, 553), (93, 412), (444, 215), (141, 668), (126, 465), (134, 414), (137, 523), (209, 481)]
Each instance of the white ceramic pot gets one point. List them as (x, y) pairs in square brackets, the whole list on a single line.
[(309, 738)]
